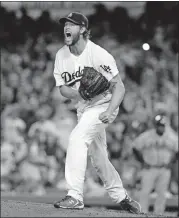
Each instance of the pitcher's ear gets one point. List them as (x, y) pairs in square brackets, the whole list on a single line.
[(82, 29)]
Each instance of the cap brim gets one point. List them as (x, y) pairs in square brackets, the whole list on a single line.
[(65, 19)]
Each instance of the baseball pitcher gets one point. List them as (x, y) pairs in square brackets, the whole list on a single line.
[(88, 73)]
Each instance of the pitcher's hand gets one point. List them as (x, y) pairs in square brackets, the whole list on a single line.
[(105, 116)]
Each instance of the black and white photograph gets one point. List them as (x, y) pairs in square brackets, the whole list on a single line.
[(89, 108)]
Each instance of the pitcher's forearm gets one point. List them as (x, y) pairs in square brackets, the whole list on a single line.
[(70, 93), (118, 92)]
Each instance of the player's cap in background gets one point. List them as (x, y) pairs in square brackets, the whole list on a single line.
[(159, 120), (76, 18)]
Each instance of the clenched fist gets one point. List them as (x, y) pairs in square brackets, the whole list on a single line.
[(105, 116)]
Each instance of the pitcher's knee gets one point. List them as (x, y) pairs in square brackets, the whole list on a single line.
[(96, 160)]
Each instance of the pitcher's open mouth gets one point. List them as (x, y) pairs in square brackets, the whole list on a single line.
[(68, 35)]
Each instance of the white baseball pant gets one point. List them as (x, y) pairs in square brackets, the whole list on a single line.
[(90, 134), (159, 179)]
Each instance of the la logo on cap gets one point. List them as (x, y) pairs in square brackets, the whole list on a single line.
[(70, 15)]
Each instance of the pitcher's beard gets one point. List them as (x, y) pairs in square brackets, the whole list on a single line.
[(72, 41), (68, 42)]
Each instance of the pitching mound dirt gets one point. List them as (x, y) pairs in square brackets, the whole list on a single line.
[(10, 208)]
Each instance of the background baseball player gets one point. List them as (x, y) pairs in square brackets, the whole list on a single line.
[(93, 115), (156, 149)]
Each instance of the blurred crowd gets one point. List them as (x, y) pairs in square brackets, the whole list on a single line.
[(36, 120)]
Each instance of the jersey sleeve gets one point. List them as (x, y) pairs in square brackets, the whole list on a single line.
[(171, 139), (57, 71), (174, 142), (141, 141), (106, 64), (138, 143)]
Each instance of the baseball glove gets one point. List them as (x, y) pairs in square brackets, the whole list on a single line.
[(92, 83)]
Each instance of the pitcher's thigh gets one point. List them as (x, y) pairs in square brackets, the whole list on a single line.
[(88, 126), (98, 148)]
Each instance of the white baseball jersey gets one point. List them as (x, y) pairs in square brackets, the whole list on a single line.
[(68, 68), (157, 150)]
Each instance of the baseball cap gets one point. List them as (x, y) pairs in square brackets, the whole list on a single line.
[(159, 120), (75, 17)]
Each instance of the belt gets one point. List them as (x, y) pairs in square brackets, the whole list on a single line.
[(148, 166)]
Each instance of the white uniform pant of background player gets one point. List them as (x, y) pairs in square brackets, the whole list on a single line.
[(90, 134), (158, 179)]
